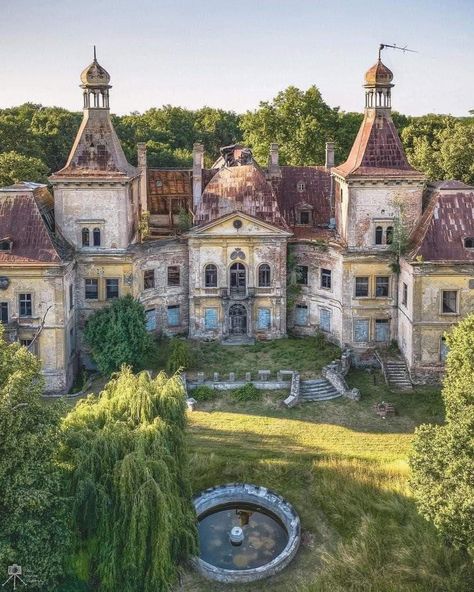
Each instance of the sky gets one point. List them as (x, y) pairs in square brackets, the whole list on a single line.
[(234, 54)]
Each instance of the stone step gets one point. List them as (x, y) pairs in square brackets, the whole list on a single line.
[(315, 381), (318, 393), (315, 399)]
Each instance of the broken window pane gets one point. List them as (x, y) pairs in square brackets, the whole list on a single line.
[(381, 286), (173, 275), (326, 278), (148, 279), (302, 275), (450, 301)]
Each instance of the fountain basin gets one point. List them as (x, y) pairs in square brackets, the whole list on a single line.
[(265, 524)]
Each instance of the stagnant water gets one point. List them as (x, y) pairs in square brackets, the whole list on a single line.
[(265, 537)]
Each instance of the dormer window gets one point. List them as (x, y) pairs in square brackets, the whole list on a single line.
[(469, 242), (6, 245), (300, 186)]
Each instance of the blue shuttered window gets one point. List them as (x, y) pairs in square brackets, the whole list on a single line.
[(301, 314), (210, 318), (173, 316), (361, 330), (325, 319), (264, 320), (150, 320)]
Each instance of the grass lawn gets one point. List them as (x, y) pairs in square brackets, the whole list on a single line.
[(307, 355), (345, 470)]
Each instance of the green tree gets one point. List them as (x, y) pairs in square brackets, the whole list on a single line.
[(180, 357), (456, 153), (16, 167), (34, 517), (117, 335), (443, 456), (299, 121), (133, 509)]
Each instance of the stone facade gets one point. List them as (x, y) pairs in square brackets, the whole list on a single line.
[(286, 247)]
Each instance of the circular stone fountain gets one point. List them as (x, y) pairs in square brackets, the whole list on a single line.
[(246, 533)]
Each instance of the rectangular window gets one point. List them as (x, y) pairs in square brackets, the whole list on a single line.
[(361, 287), (443, 351), (26, 305), (450, 302), (173, 315), (111, 288), (72, 342), (326, 278), (173, 275), (301, 314), (302, 275), (71, 296), (325, 319), (150, 316), (382, 330), (148, 279), (210, 318), (304, 217), (404, 294), (264, 320), (361, 330), (25, 342), (382, 286), (4, 312), (91, 289)]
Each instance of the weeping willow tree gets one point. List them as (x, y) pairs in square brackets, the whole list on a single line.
[(133, 509)]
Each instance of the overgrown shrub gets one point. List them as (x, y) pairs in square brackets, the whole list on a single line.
[(180, 357), (247, 392), (117, 335), (204, 393)]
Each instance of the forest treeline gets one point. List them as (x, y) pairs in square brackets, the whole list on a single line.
[(35, 140)]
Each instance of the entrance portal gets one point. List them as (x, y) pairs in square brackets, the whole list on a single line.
[(238, 320)]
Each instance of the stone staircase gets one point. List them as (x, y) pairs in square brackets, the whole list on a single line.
[(397, 375), (319, 389)]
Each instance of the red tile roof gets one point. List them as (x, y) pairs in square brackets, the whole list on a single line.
[(242, 188), (315, 191), (21, 220), (377, 150), (447, 220)]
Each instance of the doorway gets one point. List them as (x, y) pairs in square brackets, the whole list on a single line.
[(238, 320)]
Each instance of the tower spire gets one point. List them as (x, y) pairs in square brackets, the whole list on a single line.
[(96, 84)]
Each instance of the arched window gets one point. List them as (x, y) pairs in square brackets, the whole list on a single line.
[(378, 235), (389, 235), (469, 242), (238, 279), (264, 276), (96, 237), (210, 276), (86, 237)]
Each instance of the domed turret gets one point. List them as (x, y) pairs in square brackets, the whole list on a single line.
[(378, 75), (96, 83)]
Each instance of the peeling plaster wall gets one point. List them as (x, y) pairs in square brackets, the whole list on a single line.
[(111, 206), (157, 256)]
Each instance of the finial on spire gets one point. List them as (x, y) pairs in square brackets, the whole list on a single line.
[(95, 55)]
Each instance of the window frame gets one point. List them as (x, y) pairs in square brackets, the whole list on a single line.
[(442, 301), (91, 282), (71, 296), (302, 278), (210, 275), (85, 236), (385, 323), (107, 284), (173, 307), (354, 323), (468, 239), (173, 283), (4, 306), (387, 285), (304, 213), (361, 277), (405, 294), (206, 315), (325, 276), (264, 275), (269, 317), (148, 280), (96, 237), (302, 306), (378, 235), (27, 302)]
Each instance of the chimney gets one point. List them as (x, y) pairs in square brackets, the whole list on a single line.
[(141, 158), (273, 162), (198, 165), (329, 155)]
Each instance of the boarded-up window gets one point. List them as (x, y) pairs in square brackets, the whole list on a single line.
[(301, 314), (173, 275), (264, 318), (173, 315), (361, 330), (210, 318), (382, 330), (150, 319), (325, 319)]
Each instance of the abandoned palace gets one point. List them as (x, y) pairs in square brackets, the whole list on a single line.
[(264, 250)]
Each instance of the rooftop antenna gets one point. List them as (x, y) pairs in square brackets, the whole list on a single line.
[(394, 46)]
